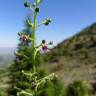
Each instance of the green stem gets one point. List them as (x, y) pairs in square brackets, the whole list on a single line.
[(33, 42), (33, 46)]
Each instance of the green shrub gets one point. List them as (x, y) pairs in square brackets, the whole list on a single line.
[(53, 88), (78, 88)]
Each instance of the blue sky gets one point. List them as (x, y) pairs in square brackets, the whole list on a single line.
[(69, 17)]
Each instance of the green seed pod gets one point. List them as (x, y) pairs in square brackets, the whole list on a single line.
[(37, 9), (43, 41), (26, 4), (47, 21)]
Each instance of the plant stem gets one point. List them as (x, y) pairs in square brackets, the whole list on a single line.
[(33, 47)]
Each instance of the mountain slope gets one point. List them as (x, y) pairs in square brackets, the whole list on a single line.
[(6, 56), (75, 58), (82, 46)]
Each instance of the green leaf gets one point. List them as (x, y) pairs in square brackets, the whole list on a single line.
[(39, 1)]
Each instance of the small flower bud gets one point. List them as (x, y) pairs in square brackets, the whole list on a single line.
[(47, 21), (43, 41), (26, 4), (37, 9)]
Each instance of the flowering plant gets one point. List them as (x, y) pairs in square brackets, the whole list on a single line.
[(36, 82)]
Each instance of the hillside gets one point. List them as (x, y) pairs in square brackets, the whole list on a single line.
[(75, 58), (6, 56), (6, 59), (72, 59)]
